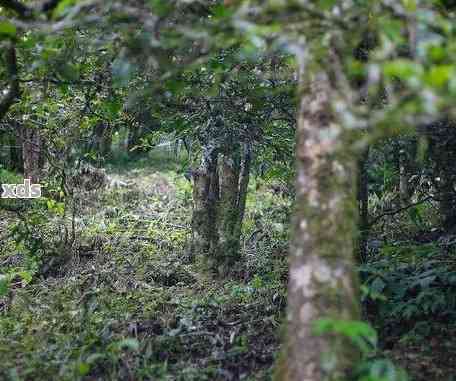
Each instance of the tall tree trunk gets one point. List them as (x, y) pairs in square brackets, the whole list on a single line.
[(442, 151), (205, 198), (219, 200), (228, 211), (322, 282), (96, 140), (31, 152)]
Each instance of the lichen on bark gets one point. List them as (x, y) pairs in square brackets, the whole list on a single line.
[(322, 283), (219, 196)]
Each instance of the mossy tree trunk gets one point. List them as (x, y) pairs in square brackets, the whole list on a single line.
[(228, 211), (219, 197), (322, 282), (205, 199)]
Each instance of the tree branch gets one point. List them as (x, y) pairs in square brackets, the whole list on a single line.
[(399, 210)]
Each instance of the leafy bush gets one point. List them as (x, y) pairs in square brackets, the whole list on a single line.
[(409, 285)]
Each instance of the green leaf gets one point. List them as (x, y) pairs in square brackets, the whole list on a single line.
[(378, 285), (410, 5), (4, 285), (26, 276), (359, 332), (403, 69), (438, 76), (83, 369), (63, 7), (69, 72), (391, 28), (221, 12), (112, 108), (7, 29), (436, 53), (175, 86), (326, 4), (161, 7)]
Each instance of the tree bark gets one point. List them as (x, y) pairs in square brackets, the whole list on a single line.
[(228, 211), (442, 151), (205, 198), (106, 141), (31, 153), (322, 282), (244, 181), (16, 161), (220, 187)]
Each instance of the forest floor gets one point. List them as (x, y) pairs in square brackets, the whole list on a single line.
[(128, 304), (125, 302)]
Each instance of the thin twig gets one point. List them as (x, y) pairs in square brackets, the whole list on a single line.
[(399, 210)]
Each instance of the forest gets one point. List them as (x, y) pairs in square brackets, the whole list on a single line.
[(228, 190)]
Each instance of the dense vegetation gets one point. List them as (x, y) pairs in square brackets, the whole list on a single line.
[(229, 190)]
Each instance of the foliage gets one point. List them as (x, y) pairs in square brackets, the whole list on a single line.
[(148, 83), (409, 285)]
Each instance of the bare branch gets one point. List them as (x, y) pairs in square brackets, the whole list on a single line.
[(399, 210)]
